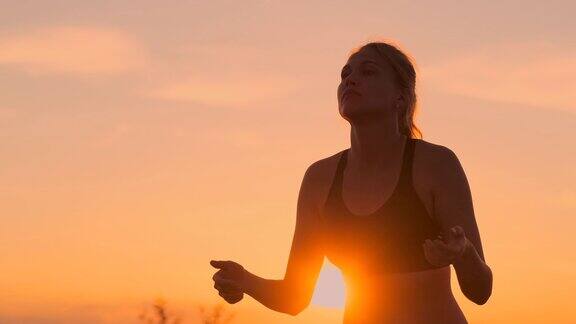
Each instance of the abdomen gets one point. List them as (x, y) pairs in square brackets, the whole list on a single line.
[(414, 297)]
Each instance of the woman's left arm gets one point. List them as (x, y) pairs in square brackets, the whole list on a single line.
[(453, 207)]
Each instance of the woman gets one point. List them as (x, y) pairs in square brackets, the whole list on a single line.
[(393, 212)]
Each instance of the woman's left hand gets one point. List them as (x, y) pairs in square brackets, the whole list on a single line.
[(442, 253)]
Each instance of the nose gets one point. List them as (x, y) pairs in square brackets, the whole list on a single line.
[(350, 81), (348, 84)]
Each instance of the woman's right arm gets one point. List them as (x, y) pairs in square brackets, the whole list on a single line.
[(292, 294)]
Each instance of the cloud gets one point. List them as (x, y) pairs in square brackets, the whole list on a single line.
[(233, 74), (235, 90), (533, 73), (72, 49)]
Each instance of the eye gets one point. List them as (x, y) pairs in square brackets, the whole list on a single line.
[(366, 72)]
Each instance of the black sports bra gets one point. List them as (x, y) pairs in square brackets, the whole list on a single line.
[(387, 240)]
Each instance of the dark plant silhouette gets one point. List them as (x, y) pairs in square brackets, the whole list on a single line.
[(159, 314), (217, 314)]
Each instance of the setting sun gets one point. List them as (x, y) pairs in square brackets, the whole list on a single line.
[(330, 290), (142, 139)]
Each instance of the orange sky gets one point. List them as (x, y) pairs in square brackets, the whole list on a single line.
[(141, 140)]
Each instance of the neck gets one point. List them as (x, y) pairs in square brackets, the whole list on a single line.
[(372, 145)]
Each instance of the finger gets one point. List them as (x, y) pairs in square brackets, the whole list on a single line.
[(223, 294), (439, 244), (225, 273), (458, 231), (426, 246), (232, 298), (429, 245), (220, 287), (229, 284), (217, 275), (219, 264), (235, 300), (222, 273), (431, 251), (436, 244), (454, 243), (453, 250), (226, 288), (448, 236), (441, 252), (232, 294), (455, 233)]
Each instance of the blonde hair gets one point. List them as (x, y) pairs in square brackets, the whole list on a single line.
[(405, 76)]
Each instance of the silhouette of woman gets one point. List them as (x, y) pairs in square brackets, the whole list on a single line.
[(394, 253)]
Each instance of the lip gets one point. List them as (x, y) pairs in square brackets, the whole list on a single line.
[(349, 92)]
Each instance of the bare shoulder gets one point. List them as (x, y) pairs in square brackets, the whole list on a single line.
[(433, 153), (318, 178), (433, 162)]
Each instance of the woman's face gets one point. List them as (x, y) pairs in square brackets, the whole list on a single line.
[(370, 76)]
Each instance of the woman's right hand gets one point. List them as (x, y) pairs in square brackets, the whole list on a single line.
[(226, 280)]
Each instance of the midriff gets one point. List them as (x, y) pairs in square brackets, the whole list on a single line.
[(413, 297)]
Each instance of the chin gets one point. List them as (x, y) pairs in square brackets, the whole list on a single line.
[(355, 113), (349, 111)]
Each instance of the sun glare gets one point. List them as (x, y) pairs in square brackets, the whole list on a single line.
[(330, 290)]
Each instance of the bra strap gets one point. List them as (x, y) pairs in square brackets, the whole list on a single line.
[(407, 161), (336, 187)]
